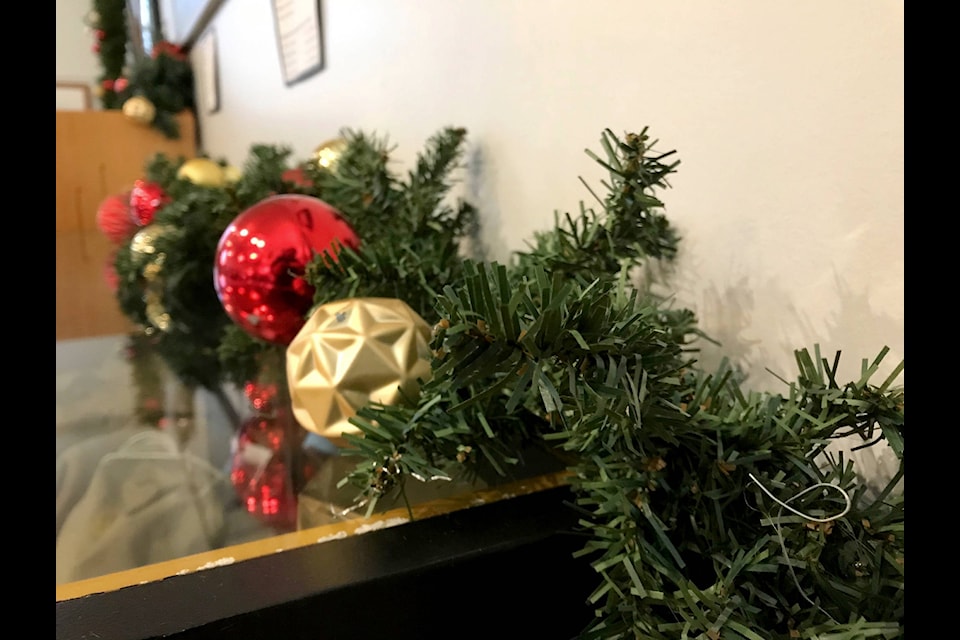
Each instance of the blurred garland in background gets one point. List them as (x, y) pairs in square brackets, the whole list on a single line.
[(151, 90)]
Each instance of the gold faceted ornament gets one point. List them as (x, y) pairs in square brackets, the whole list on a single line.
[(202, 171), (327, 155), (139, 109), (353, 352)]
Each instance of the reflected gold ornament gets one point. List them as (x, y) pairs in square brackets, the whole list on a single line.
[(352, 352), (139, 109), (202, 171), (327, 155)]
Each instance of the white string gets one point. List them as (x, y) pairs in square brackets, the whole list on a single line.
[(783, 544), (785, 505)]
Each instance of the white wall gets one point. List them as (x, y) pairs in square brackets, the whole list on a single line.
[(787, 117), (76, 61)]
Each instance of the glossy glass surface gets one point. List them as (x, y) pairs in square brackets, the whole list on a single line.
[(155, 477)]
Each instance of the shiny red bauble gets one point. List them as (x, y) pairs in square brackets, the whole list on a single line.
[(261, 259), (297, 176), (113, 218), (145, 199)]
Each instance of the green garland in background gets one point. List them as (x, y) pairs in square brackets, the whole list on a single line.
[(108, 19), (162, 80), (709, 511)]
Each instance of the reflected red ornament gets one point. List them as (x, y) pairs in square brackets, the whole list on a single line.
[(261, 396), (261, 472), (146, 198), (114, 218), (261, 259)]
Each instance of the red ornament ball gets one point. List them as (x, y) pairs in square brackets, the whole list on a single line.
[(261, 259), (297, 176), (146, 198), (114, 219)]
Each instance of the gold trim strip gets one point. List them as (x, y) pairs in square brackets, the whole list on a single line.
[(307, 537)]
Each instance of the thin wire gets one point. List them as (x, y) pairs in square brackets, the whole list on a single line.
[(785, 505), (783, 544)]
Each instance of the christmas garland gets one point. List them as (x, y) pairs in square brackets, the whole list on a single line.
[(710, 511), (150, 91)]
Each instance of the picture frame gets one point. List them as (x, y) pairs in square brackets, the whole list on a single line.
[(299, 30), (74, 96)]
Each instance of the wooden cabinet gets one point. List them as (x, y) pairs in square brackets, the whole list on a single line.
[(99, 153)]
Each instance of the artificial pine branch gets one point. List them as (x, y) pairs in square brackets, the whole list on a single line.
[(671, 464), (410, 235), (109, 19)]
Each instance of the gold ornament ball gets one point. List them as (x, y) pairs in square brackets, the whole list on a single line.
[(139, 109), (353, 352), (144, 242), (202, 171), (327, 155), (231, 174), (143, 246)]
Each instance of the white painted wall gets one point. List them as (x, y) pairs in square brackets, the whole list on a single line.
[(76, 61), (787, 117)]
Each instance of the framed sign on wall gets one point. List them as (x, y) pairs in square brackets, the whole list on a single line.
[(299, 38)]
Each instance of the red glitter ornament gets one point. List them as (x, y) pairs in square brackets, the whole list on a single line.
[(261, 258), (113, 218), (146, 199), (106, 84)]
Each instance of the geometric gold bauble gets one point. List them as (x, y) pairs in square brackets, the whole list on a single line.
[(352, 352)]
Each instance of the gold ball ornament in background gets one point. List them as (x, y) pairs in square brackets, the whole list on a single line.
[(143, 247), (202, 171), (327, 155), (139, 109), (353, 352), (231, 174)]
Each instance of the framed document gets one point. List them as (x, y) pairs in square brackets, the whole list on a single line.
[(299, 38)]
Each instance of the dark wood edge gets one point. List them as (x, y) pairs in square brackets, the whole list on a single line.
[(488, 569)]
